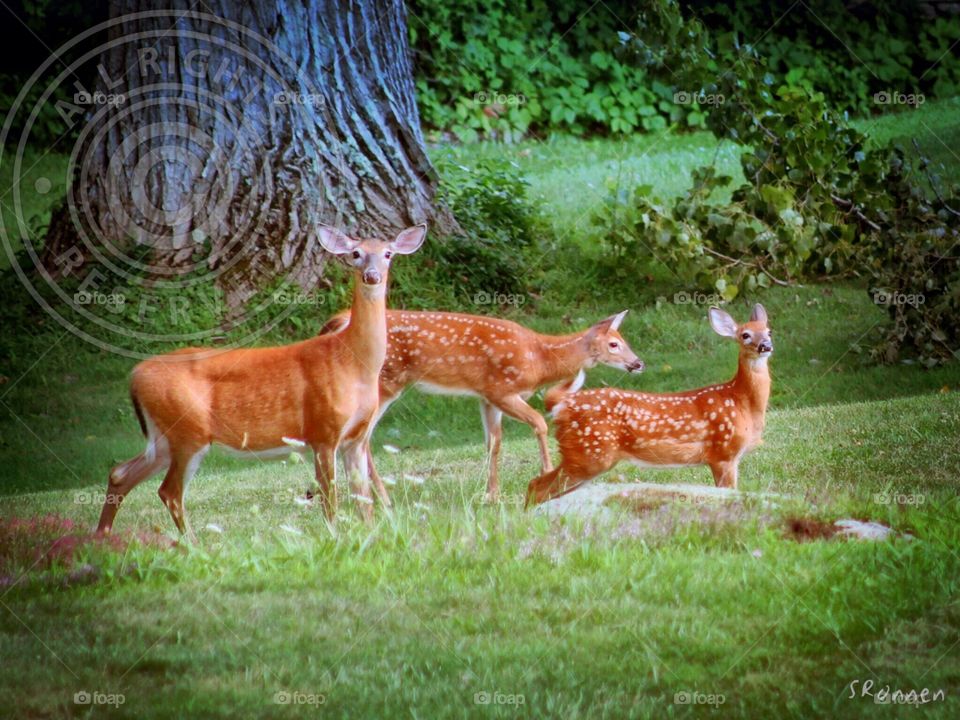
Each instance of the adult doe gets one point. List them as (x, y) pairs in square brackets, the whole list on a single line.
[(320, 394)]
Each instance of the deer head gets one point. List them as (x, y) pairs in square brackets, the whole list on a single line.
[(371, 258), (753, 336), (607, 346)]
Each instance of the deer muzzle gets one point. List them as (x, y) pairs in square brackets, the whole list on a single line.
[(371, 277)]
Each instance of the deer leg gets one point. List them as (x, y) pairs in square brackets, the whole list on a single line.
[(378, 485), (725, 474), (517, 408), (183, 465), (125, 477), (493, 434), (559, 481), (573, 472), (325, 466), (386, 398), (355, 465)]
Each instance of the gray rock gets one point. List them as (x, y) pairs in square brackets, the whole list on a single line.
[(591, 500), (860, 530)]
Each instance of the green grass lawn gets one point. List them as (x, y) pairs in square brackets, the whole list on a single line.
[(448, 607), (448, 598)]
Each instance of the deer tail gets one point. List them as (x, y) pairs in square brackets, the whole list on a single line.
[(554, 398), (139, 411), (335, 324)]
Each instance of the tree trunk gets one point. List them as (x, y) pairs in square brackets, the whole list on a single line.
[(233, 131)]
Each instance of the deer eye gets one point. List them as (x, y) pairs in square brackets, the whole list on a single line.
[(745, 336), (357, 254), (614, 344), (387, 255)]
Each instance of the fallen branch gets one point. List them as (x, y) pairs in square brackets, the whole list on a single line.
[(855, 210), (746, 263), (933, 185)]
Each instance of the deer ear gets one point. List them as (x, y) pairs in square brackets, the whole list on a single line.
[(410, 240), (759, 314), (617, 319), (609, 323), (722, 323), (334, 241)]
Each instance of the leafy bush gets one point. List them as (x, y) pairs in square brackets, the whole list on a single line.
[(500, 227), (913, 264), (816, 201), (848, 51), (502, 70), (790, 220), (47, 127)]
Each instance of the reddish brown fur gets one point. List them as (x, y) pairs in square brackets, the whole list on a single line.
[(713, 426), (499, 361), (322, 392)]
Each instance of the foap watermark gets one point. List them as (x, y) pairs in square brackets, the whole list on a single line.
[(298, 98), (898, 498), (496, 697), (694, 697), (686, 97), (894, 97), (169, 207), (886, 297), (886, 695), (695, 298), (293, 297), (495, 97), (694, 499), (95, 297), (296, 697), (96, 497), (498, 298), (95, 697), (506, 499), (98, 97)]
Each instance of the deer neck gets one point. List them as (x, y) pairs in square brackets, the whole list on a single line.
[(366, 335), (562, 356), (753, 382)]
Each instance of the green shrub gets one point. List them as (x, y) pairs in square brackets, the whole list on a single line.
[(500, 228), (848, 51), (816, 201), (502, 70), (913, 264)]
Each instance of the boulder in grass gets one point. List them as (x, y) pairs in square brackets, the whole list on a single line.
[(601, 501), (862, 530), (598, 499)]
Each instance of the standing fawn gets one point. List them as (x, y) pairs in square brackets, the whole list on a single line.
[(498, 361), (711, 426), (320, 394)]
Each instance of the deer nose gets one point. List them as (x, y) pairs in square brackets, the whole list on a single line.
[(636, 366), (765, 347), (372, 277)]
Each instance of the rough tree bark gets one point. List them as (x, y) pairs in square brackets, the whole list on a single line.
[(236, 130)]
